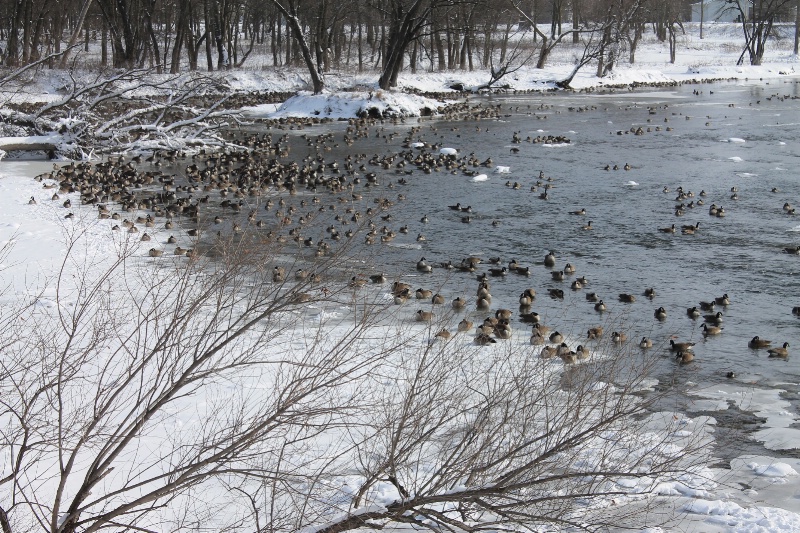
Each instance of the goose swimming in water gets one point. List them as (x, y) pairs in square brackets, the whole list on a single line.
[(757, 342), (779, 352)]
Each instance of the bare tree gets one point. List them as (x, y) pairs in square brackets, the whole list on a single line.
[(466, 438), (757, 18), (102, 112), (141, 386), (509, 62)]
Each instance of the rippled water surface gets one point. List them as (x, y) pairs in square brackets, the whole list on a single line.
[(742, 137)]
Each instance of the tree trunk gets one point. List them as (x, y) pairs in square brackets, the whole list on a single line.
[(796, 27), (672, 44), (104, 45), (544, 52), (576, 10), (75, 34)]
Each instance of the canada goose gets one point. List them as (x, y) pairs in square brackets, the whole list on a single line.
[(757, 342), (522, 271), (378, 278), (525, 300), (562, 349), (423, 316), (569, 358), (660, 314), (711, 330), (513, 264), (278, 273), (423, 294), (400, 297), (594, 333), (459, 303), (399, 288), (437, 299), (483, 303), (680, 346), (645, 343), (541, 328), (587, 226), (779, 352), (502, 331), (504, 314), (529, 318), (530, 293), (715, 319), (792, 250), (483, 339), (591, 296), (627, 298), (498, 272), (569, 269), (576, 285), (465, 325), (547, 352), (581, 352), (667, 230), (619, 337), (690, 230), (537, 338), (722, 300), (556, 337), (684, 357), (550, 260), (557, 275), (423, 266), (556, 294), (155, 253), (600, 306), (650, 293), (424, 219), (707, 306), (444, 334), (693, 312), (32, 201), (796, 310), (456, 207), (578, 212)]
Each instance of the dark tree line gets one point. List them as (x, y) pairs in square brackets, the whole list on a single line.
[(385, 36)]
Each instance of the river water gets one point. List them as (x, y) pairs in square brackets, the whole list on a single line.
[(716, 138)]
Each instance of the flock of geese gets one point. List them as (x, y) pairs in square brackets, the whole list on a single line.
[(498, 325), (256, 189)]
